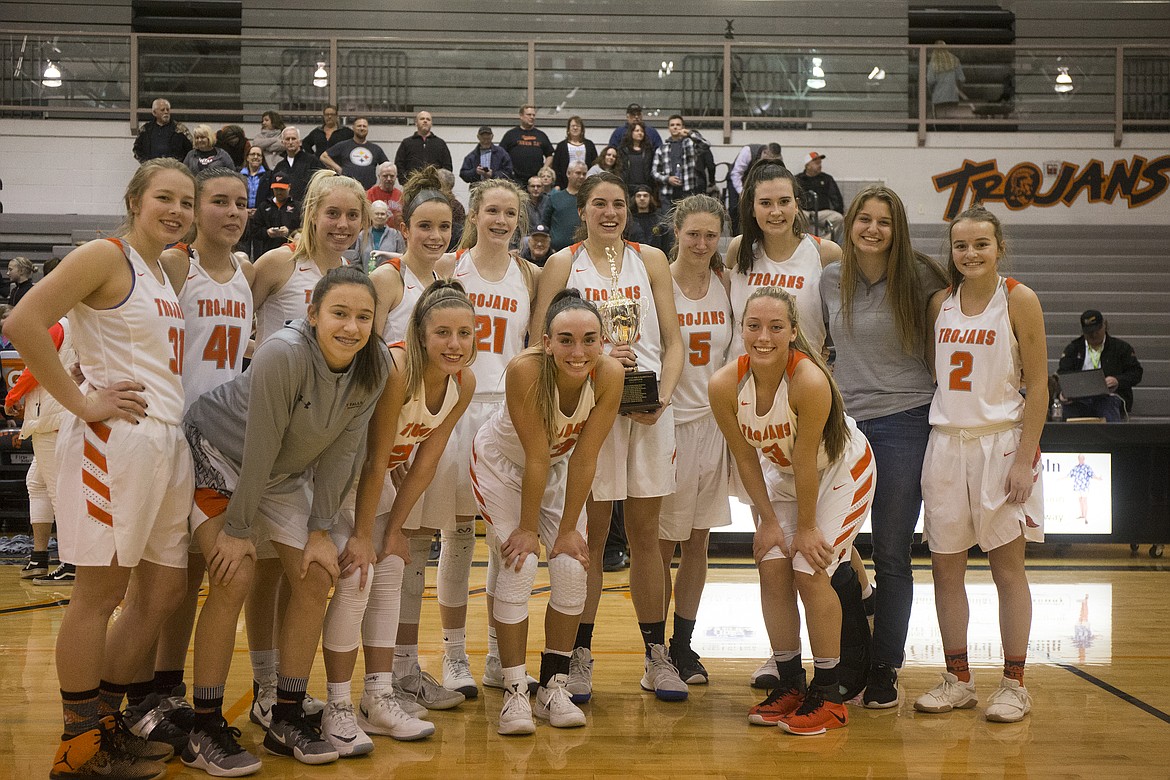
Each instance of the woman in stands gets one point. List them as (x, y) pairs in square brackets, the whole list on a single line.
[(533, 465), (427, 392), (636, 462), (810, 475), (875, 303), (699, 502), (300, 413), (126, 535), (637, 158), (608, 159), (575, 148), (981, 482), (502, 288)]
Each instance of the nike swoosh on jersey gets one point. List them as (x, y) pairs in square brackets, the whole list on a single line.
[(948, 308), (305, 269), (141, 274), (838, 487), (465, 273), (410, 286), (192, 276), (1013, 452)]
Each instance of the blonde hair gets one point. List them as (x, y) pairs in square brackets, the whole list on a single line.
[(141, 180), (469, 238), (321, 185), (441, 294), (976, 213), (836, 433), (697, 204)]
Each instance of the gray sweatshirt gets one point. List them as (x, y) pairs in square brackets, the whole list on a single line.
[(289, 412)]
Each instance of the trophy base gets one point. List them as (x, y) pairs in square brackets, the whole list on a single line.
[(640, 392)]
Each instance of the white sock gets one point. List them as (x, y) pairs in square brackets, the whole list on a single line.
[(780, 656), (516, 678), (493, 643), (867, 591), (377, 682), (455, 643), (405, 659), (338, 691), (264, 664)]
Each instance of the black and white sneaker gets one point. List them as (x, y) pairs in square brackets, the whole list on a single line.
[(690, 668), (64, 574), (881, 687), (300, 739), (216, 750), (34, 569)]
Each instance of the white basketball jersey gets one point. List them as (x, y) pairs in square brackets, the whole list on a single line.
[(416, 423), (706, 334), (219, 319), (799, 275), (290, 302), (399, 317), (502, 432), (634, 281), (774, 432), (141, 340), (977, 364), (502, 310)]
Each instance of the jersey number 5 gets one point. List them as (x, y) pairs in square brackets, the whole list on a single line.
[(963, 363), (700, 348)]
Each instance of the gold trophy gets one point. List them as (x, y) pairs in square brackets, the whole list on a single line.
[(621, 319)]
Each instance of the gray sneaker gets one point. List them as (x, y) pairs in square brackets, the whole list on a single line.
[(580, 684), (661, 676), (426, 690), (217, 752), (300, 739), (493, 676)]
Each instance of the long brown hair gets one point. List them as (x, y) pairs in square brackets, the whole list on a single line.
[(544, 392), (903, 269), (976, 213), (369, 368), (697, 204), (751, 234), (836, 433)]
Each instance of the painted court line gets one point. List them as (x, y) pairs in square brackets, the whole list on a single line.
[(1141, 705)]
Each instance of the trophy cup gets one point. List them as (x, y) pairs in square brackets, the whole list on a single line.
[(621, 319)]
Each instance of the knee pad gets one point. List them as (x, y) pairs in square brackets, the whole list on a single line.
[(380, 625), (493, 570), (569, 582), (455, 564), (513, 589), (414, 579), (341, 631)]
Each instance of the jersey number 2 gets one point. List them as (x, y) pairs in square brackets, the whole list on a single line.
[(963, 363)]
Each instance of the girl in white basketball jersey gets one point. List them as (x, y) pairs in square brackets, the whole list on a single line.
[(426, 394), (502, 288), (699, 502), (126, 535), (637, 461), (981, 478), (532, 466), (812, 487)]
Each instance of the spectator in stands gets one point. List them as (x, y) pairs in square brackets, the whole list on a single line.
[(704, 162), (944, 79), (421, 149), (675, 163), (537, 245), (536, 198), (1116, 359), (575, 148), (548, 179), (637, 157), (381, 237), (256, 174), (20, 274), (527, 145), (297, 166), (327, 134), (388, 191), (268, 139), (559, 211), (5, 310), (458, 211), (206, 154), (357, 158), (277, 218), (745, 159), (649, 223), (486, 161), (233, 140), (162, 136), (608, 159), (633, 115), (823, 204)]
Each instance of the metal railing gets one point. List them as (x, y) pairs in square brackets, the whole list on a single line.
[(725, 85)]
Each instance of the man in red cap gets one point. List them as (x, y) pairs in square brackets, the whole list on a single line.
[(277, 218), (823, 204)]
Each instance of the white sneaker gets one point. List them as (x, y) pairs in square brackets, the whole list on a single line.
[(1010, 702), (407, 704), (263, 697), (661, 676), (382, 715), (493, 675), (312, 706), (341, 730), (580, 682), (516, 714), (457, 676), (950, 694), (425, 690), (556, 706), (767, 677)]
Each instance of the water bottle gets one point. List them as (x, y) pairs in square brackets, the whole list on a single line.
[(1057, 412), (373, 263)]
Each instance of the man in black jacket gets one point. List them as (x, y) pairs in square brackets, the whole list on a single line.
[(162, 136), (298, 166), (1116, 358), (823, 203)]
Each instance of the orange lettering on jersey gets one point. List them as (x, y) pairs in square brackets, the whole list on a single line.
[(168, 308), (970, 336), (223, 308), (491, 301), (770, 432), (569, 433), (634, 292), (701, 318), (415, 431), (787, 281), (308, 296)]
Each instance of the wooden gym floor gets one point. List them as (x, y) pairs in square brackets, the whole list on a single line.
[(1098, 671)]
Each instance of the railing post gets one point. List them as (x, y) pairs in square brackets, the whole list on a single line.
[(333, 69), (1118, 97), (531, 73), (727, 92), (921, 95), (133, 83)]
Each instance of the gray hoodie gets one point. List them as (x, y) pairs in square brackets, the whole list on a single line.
[(289, 412)]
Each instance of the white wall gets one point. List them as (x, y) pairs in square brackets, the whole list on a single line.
[(80, 167)]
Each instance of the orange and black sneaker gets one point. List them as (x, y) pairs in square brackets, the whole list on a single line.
[(820, 711), (782, 701), (91, 754)]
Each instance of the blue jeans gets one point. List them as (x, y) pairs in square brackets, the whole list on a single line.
[(899, 446), (1107, 406)]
